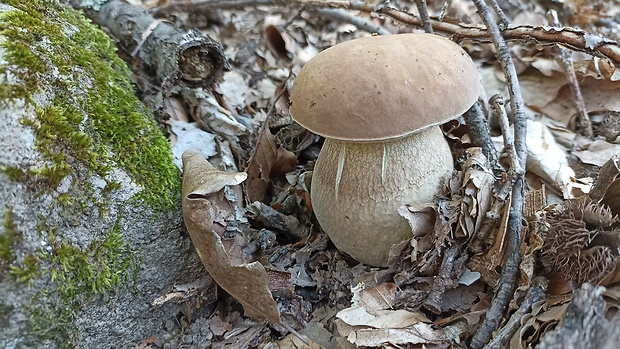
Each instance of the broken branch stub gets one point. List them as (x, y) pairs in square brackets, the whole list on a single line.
[(187, 55), (246, 282)]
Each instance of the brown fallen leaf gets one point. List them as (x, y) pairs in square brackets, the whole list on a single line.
[(607, 175), (477, 191), (260, 164), (247, 283), (420, 333), (598, 95), (267, 160)]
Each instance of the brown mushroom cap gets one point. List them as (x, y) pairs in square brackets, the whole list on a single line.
[(383, 87)]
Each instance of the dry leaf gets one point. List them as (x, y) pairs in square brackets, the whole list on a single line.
[(360, 316), (236, 90), (259, 165), (420, 333), (212, 114), (608, 174), (267, 160), (420, 217), (247, 283), (379, 297), (547, 160), (611, 198), (190, 136), (598, 95), (477, 191), (276, 43), (598, 152), (536, 324)]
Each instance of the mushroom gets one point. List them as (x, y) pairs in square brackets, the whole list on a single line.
[(378, 102)]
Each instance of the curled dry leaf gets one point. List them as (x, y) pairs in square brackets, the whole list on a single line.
[(547, 160), (259, 166), (477, 192), (266, 161), (419, 216), (277, 43), (542, 318), (609, 174), (247, 283), (207, 110), (420, 333)]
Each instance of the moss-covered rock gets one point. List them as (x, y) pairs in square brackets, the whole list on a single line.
[(88, 189)]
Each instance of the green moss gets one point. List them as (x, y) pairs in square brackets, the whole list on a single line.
[(14, 173), (103, 267), (65, 199), (51, 321), (79, 276), (7, 239), (95, 118), (27, 270)]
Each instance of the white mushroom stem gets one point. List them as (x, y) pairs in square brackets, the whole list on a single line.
[(357, 188)]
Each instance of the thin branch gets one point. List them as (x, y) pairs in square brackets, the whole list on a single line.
[(423, 11), (497, 103), (507, 281), (534, 294), (572, 38), (447, 278), (359, 22), (500, 13), (584, 126), (480, 134)]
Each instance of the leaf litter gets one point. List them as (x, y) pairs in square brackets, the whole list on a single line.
[(259, 241)]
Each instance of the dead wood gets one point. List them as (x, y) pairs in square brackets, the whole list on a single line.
[(169, 53), (584, 325)]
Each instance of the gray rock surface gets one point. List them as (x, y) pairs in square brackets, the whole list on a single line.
[(92, 230)]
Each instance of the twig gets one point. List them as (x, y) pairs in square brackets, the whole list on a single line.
[(442, 13), (423, 11), (447, 278), (500, 13), (480, 134), (361, 23), (584, 126), (512, 259), (572, 38), (301, 337), (497, 103), (534, 294)]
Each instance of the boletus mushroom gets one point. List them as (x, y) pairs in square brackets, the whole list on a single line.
[(378, 102)]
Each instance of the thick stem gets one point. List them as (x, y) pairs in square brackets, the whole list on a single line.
[(357, 189)]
